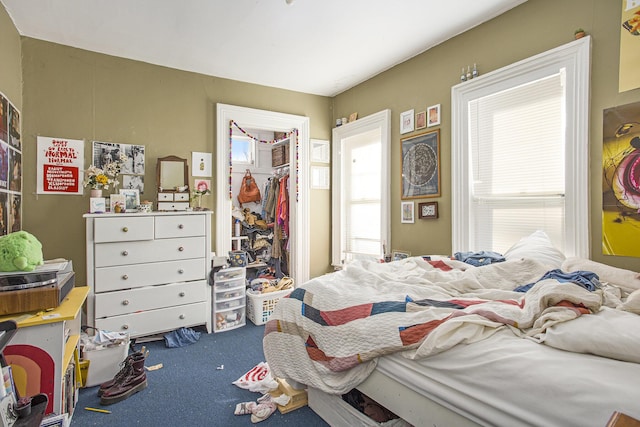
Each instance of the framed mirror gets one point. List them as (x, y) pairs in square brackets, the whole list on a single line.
[(173, 184), (172, 174)]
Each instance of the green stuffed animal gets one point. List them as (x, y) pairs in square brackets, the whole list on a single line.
[(20, 251)]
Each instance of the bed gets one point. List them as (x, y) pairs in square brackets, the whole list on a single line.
[(446, 343)]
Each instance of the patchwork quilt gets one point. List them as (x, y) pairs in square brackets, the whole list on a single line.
[(330, 332)]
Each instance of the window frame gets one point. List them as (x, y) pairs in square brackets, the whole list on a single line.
[(381, 121), (574, 57)]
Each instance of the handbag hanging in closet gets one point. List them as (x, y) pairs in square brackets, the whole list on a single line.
[(249, 191)]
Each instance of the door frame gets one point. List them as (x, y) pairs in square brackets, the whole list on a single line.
[(251, 118)]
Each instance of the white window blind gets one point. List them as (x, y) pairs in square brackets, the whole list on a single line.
[(517, 141), (520, 153)]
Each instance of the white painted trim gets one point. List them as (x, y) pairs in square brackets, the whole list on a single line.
[(299, 219), (381, 120), (575, 57)]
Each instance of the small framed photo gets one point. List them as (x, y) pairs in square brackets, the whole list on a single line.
[(132, 198), (117, 203), (407, 216), (421, 120), (406, 121), (428, 210), (433, 115), (320, 151), (353, 117), (97, 205), (398, 255)]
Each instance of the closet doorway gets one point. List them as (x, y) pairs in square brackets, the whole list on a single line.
[(249, 118)]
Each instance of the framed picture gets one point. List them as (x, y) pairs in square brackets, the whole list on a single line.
[(420, 166), (353, 117), (421, 120), (132, 198), (428, 210), (398, 255), (406, 121), (97, 205), (433, 115), (320, 151), (117, 203), (407, 212)]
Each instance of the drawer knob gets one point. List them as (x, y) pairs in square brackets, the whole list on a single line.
[(181, 226), (181, 271), (182, 316), (181, 294), (125, 302), (125, 326), (125, 277), (125, 253), (181, 248), (125, 229)]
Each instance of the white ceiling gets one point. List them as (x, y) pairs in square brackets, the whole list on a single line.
[(321, 47)]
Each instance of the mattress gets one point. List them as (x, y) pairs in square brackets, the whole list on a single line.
[(484, 381)]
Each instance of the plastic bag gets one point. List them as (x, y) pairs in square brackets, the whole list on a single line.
[(258, 379)]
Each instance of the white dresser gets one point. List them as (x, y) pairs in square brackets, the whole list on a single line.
[(148, 272)]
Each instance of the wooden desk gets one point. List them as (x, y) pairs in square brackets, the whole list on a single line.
[(42, 349)]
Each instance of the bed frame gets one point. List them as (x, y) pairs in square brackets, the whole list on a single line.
[(400, 399)]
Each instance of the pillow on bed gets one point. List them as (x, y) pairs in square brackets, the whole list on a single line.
[(538, 247), (608, 333)]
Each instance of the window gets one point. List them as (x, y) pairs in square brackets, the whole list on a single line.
[(520, 153), (242, 150), (361, 188)]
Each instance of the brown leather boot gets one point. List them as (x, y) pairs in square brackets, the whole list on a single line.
[(124, 371), (134, 381)]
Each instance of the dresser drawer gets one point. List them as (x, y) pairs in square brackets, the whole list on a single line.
[(125, 253), (156, 321), (173, 206), (138, 275), (179, 226), (124, 229), (149, 298)]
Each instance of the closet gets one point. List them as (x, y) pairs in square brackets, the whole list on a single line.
[(262, 228), (227, 187)]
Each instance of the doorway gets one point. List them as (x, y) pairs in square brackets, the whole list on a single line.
[(250, 118)]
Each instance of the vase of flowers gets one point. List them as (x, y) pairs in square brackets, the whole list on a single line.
[(98, 179)]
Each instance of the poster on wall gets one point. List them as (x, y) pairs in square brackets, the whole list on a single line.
[(629, 77), (10, 167), (60, 162), (621, 181)]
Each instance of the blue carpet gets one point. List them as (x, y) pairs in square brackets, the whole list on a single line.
[(189, 390)]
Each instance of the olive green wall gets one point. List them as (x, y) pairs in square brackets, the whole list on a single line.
[(76, 94), (531, 28), (10, 70)]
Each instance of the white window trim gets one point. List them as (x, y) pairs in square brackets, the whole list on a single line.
[(575, 58), (382, 121)]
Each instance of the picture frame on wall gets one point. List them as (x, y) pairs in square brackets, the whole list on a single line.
[(406, 213), (433, 115), (420, 167), (428, 210), (406, 121), (421, 120)]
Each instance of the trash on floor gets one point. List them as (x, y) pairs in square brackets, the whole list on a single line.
[(154, 367), (258, 379)]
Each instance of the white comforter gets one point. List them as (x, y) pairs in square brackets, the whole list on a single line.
[(329, 333)]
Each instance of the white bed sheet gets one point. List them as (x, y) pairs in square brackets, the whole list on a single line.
[(484, 382)]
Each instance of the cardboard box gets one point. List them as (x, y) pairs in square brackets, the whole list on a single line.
[(298, 396)]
